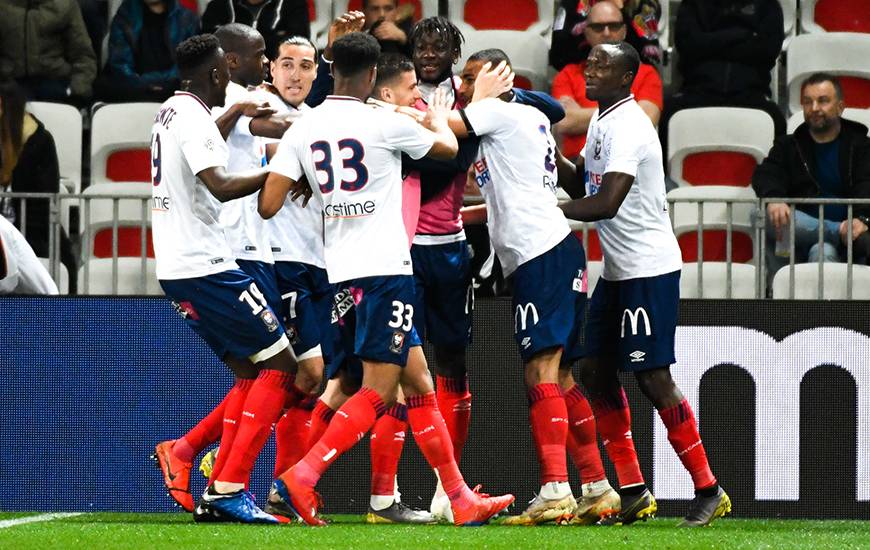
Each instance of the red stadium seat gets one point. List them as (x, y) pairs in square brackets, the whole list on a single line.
[(129, 242), (856, 91), (843, 54), (521, 81), (515, 15), (719, 168), (312, 11), (189, 4), (129, 165), (593, 250), (714, 246), (842, 15)]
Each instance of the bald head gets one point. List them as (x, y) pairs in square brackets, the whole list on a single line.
[(245, 51), (610, 71), (605, 24)]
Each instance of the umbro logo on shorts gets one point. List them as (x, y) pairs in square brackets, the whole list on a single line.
[(637, 356)]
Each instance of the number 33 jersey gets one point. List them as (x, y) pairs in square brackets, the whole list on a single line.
[(188, 239), (351, 155)]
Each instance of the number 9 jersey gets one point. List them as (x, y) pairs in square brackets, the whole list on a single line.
[(351, 155)]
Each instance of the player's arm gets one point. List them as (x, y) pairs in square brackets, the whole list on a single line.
[(570, 175), (473, 215), (226, 187), (490, 83), (228, 119), (576, 120), (445, 145), (604, 204), (272, 126)]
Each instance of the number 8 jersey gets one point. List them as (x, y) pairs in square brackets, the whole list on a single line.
[(188, 239), (351, 155)]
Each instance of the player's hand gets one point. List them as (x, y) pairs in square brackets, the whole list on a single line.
[(779, 213), (255, 109), (301, 188), (439, 110), (416, 114), (347, 23), (388, 31), (858, 228), (492, 82)]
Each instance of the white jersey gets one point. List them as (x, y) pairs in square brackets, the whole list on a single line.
[(638, 241), (188, 238), (296, 232), (516, 172), (21, 272), (246, 232), (351, 155)]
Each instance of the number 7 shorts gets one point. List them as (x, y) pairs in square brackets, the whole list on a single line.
[(230, 313), (383, 319)]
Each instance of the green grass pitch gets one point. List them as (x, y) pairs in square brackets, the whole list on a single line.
[(177, 531)]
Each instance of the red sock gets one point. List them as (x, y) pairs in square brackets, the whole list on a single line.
[(548, 416), (454, 402), (348, 426), (234, 402), (291, 432), (321, 416), (614, 424), (388, 438), (430, 433), (684, 438), (262, 409), (202, 435), (582, 439)]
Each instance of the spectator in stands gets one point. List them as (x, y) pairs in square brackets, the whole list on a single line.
[(726, 50), (45, 47), (390, 24), (570, 44), (142, 43), (604, 24), (276, 20), (94, 15), (827, 157), (28, 164)]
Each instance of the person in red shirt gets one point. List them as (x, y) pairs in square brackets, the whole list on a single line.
[(605, 24)]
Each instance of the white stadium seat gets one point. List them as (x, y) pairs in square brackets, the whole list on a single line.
[(64, 123), (100, 276), (840, 53), (527, 52), (593, 273), (97, 216), (509, 16), (122, 128), (714, 280), (807, 282)]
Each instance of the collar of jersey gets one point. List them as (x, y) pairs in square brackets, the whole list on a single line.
[(344, 98), (196, 97), (615, 106)]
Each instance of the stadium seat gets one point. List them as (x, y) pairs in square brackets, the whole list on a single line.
[(533, 16), (591, 244), (97, 216), (714, 280), (130, 277), (422, 8), (835, 16), (527, 52), (834, 281), (320, 17), (62, 280), (121, 142), (841, 53), (714, 225), (858, 115), (789, 20), (593, 273), (717, 145)]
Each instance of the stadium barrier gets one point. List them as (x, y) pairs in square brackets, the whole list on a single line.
[(781, 390)]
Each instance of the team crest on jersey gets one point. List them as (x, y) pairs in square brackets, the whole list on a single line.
[(396, 342), (597, 150), (269, 320), (209, 144), (292, 334)]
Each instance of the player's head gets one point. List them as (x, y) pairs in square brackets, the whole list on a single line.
[(354, 64), (437, 46), (203, 68), (472, 67), (379, 10), (610, 70), (294, 69), (822, 101), (604, 25), (245, 51), (397, 81)]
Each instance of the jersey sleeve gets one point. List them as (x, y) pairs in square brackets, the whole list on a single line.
[(287, 161), (487, 116), (405, 135), (202, 144), (623, 149)]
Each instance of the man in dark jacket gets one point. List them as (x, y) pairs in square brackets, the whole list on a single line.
[(142, 43), (276, 20), (726, 50), (826, 157)]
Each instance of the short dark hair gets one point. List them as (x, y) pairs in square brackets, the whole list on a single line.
[(493, 55), (628, 58), (365, 3), (298, 41), (355, 53), (235, 36), (390, 67), (194, 52), (818, 78), (442, 27)]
